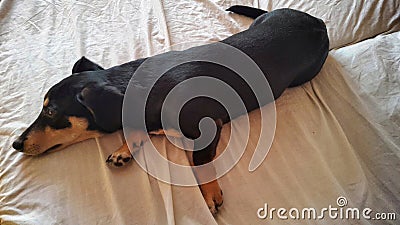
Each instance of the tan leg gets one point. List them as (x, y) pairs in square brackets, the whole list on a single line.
[(211, 191), (212, 194)]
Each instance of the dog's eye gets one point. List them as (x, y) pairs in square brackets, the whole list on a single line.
[(49, 112)]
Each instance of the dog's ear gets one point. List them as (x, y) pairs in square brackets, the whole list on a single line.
[(84, 64), (105, 104)]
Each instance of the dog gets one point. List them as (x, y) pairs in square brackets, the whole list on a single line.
[(289, 46)]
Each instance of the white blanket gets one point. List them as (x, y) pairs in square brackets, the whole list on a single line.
[(329, 141)]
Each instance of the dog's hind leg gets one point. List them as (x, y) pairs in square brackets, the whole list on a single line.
[(210, 190)]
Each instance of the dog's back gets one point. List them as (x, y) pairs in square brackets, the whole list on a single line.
[(284, 43), (288, 46)]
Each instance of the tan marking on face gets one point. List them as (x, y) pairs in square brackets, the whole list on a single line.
[(46, 102), (168, 132), (38, 141)]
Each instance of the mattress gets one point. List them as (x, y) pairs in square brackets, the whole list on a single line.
[(336, 137)]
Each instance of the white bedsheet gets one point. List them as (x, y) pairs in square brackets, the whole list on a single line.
[(374, 65), (327, 143)]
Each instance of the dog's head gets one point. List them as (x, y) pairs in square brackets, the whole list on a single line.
[(80, 107)]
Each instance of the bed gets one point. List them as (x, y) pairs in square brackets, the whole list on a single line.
[(336, 136)]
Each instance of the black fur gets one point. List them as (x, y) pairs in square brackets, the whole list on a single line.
[(289, 46), (246, 11), (84, 64)]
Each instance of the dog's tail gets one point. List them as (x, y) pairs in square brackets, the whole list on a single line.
[(246, 11)]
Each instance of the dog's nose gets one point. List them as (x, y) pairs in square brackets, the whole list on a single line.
[(18, 144)]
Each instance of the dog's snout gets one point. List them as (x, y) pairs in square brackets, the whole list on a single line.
[(18, 144)]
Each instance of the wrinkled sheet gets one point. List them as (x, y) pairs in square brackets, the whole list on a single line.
[(374, 66), (335, 136)]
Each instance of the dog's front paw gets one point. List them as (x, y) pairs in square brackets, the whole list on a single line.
[(121, 157), (212, 194)]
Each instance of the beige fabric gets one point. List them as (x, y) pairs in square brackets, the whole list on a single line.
[(348, 21), (326, 144), (378, 79)]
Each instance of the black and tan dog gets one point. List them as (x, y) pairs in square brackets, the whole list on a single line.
[(289, 47)]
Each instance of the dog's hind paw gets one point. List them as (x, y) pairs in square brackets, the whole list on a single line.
[(212, 194), (120, 157)]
